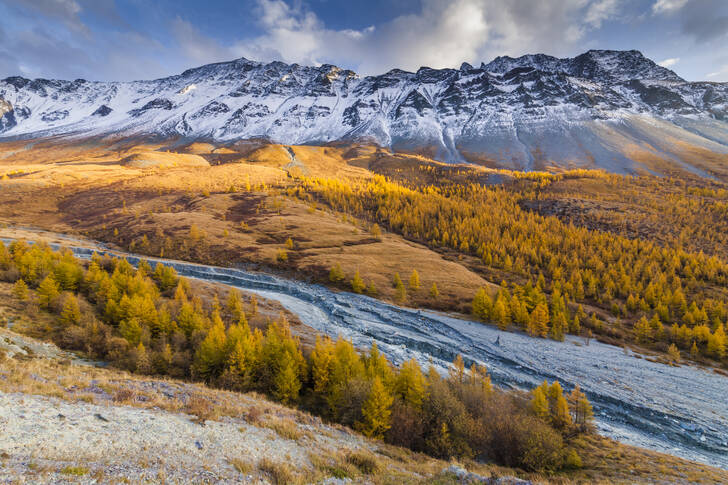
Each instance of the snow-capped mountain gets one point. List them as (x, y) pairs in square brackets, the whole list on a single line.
[(596, 109)]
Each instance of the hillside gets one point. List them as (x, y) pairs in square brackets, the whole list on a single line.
[(66, 419), (615, 110)]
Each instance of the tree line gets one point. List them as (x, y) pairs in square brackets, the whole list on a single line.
[(148, 320), (628, 278)]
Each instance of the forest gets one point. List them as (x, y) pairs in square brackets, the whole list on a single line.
[(659, 296), (148, 320)]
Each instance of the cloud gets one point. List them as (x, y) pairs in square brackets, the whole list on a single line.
[(66, 11), (722, 72), (667, 6), (195, 45), (669, 62), (600, 11), (706, 20), (440, 34)]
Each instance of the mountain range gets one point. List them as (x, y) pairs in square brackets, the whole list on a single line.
[(616, 110)]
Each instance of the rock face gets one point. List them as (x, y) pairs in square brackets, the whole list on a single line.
[(526, 112)]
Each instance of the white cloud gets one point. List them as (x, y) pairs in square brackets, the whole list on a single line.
[(441, 34), (722, 73), (600, 11), (667, 6), (669, 62)]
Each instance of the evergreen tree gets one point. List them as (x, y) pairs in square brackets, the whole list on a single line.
[(414, 281), (434, 292), (376, 365), (482, 304), (287, 382), (717, 343), (321, 361), (376, 411), (71, 313), (581, 409), (131, 330), (336, 274), (500, 314), (673, 353), (48, 292), (538, 324), (234, 307), (210, 356), (20, 290), (400, 293), (357, 284), (643, 330), (143, 362), (410, 383), (539, 404), (457, 370), (558, 326), (397, 281)]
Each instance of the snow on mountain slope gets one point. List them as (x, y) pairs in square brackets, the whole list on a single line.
[(523, 113)]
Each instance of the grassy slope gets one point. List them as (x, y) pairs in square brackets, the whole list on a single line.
[(316, 450)]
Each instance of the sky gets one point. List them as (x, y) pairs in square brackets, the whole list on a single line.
[(138, 39)]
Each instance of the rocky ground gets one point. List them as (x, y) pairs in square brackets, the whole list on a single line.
[(61, 422)]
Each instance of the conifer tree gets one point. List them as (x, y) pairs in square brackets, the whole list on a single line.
[(48, 291), (376, 365), (694, 352), (539, 404), (560, 417), (234, 307), (336, 274), (673, 353), (287, 382), (397, 281), (457, 370), (20, 290), (376, 411), (131, 330), (410, 383), (71, 313), (581, 409), (210, 356), (717, 343), (143, 362), (558, 326), (500, 314), (400, 293), (253, 305), (321, 361), (357, 284), (538, 324), (642, 330), (434, 292), (414, 280), (482, 304)]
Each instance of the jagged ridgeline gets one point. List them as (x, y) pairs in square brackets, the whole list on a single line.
[(611, 109)]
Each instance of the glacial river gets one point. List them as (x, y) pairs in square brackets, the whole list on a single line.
[(682, 411)]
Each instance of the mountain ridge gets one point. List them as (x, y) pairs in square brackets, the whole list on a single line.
[(524, 113)]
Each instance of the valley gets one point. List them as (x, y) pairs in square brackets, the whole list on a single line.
[(247, 206), (545, 220)]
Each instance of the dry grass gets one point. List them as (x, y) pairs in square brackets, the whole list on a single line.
[(242, 465), (85, 189), (279, 473), (286, 428)]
